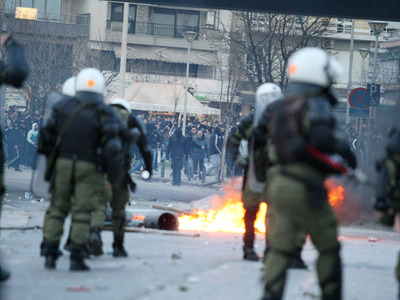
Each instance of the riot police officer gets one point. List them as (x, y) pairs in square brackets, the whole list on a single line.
[(270, 97), (13, 72), (81, 143), (256, 164), (120, 191), (303, 138), (388, 191)]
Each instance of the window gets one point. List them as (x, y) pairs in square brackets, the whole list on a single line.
[(40, 5), (117, 15), (26, 3), (171, 22), (108, 61), (164, 22), (186, 21), (53, 9), (49, 9), (117, 12)]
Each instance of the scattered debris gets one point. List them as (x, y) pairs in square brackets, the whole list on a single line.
[(79, 289), (21, 228), (311, 295), (183, 288), (158, 231), (28, 195), (176, 256), (373, 239)]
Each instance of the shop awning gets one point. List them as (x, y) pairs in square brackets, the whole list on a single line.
[(167, 54), (164, 98)]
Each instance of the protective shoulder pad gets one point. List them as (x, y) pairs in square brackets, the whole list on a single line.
[(136, 122)]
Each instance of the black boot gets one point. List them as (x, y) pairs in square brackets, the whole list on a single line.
[(297, 262), (249, 235), (77, 262), (250, 254), (4, 274), (118, 246), (96, 245), (50, 252), (42, 251)]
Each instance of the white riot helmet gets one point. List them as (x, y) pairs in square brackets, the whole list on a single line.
[(266, 94), (314, 66), (90, 80), (122, 102), (69, 87)]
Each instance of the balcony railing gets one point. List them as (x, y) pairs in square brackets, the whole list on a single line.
[(52, 24), (154, 29)]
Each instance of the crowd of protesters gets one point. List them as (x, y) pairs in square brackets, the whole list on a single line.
[(199, 151), (366, 141), (20, 137)]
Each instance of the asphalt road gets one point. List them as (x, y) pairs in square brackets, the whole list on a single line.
[(209, 267)]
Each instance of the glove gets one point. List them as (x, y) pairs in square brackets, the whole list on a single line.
[(382, 204)]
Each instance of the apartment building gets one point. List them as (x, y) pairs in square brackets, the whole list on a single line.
[(337, 41), (53, 33), (157, 50)]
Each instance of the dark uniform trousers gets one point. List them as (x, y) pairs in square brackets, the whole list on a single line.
[(117, 196), (78, 186), (292, 216)]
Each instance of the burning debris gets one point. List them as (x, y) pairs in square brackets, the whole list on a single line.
[(225, 215), (335, 193), (226, 212)]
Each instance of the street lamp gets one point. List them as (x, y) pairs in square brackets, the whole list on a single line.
[(377, 27), (364, 53), (189, 37)]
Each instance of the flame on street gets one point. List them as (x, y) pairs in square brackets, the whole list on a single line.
[(226, 214), (335, 193)]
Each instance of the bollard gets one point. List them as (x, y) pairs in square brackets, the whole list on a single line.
[(203, 176), (190, 171), (162, 168)]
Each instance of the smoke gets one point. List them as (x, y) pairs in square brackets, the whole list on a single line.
[(356, 207)]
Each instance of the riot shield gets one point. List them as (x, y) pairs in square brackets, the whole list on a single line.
[(252, 182), (40, 187)]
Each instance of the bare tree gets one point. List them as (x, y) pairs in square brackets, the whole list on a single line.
[(264, 42), (230, 76)]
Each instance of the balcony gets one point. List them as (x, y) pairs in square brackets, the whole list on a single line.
[(160, 30), (69, 26)]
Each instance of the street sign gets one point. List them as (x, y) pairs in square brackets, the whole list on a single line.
[(359, 112), (374, 94), (358, 98)]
